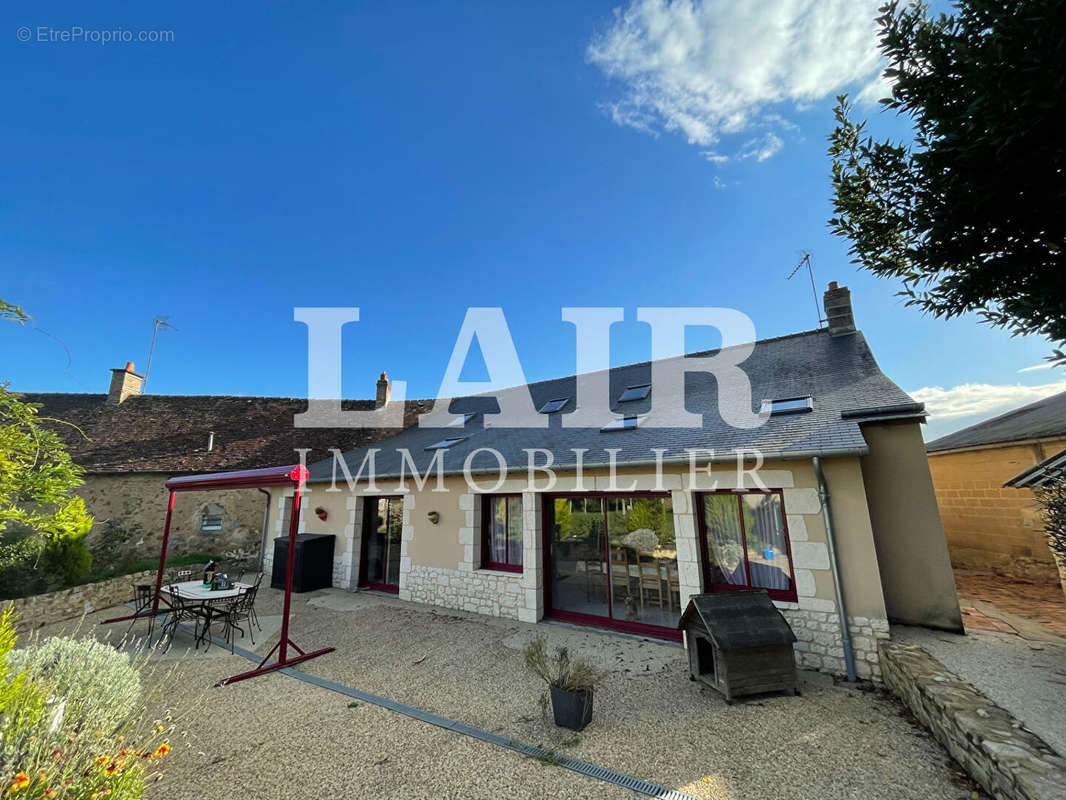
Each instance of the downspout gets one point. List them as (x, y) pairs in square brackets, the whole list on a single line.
[(830, 540), (266, 523)]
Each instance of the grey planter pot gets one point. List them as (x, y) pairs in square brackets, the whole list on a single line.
[(572, 708)]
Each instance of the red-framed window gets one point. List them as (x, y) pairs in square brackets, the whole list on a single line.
[(501, 532), (744, 542)]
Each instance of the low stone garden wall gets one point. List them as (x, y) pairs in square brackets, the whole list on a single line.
[(44, 609), (1007, 760)]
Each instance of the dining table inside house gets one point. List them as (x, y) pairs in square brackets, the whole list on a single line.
[(208, 603)]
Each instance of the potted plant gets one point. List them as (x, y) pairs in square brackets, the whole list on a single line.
[(570, 682)]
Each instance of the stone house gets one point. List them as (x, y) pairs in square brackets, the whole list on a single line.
[(635, 516), (991, 527), (130, 443)]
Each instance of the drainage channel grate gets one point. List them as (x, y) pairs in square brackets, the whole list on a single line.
[(639, 785)]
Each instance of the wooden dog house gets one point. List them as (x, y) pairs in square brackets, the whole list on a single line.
[(739, 643)]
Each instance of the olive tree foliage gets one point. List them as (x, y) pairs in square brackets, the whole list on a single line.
[(1052, 499), (970, 214), (43, 524), (13, 312)]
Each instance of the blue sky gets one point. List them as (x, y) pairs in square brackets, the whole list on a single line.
[(416, 160)]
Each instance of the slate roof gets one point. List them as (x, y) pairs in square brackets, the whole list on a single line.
[(739, 619), (1046, 472), (1042, 419), (169, 433), (839, 372)]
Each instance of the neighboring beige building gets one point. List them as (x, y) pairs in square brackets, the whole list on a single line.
[(453, 518), (991, 527), (130, 443)]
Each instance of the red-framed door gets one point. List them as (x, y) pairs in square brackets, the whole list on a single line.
[(592, 578), (379, 564)]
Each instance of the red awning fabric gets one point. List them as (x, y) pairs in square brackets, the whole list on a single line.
[(241, 479)]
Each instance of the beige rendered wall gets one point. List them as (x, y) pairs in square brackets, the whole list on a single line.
[(440, 562), (129, 512), (991, 528), (916, 575)]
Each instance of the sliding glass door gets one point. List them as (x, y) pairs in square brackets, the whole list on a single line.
[(382, 528), (613, 561)]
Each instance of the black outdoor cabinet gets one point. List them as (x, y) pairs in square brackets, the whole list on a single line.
[(314, 562), (739, 643)]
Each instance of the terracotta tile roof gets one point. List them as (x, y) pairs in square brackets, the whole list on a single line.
[(169, 433)]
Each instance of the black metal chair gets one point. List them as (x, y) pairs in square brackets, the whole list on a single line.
[(253, 616), (242, 609), (215, 610), (182, 609), (142, 600)]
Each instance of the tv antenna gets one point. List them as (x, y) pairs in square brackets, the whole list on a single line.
[(806, 262), (160, 322)]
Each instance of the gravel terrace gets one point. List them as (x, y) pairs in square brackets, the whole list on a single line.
[(278, 737)]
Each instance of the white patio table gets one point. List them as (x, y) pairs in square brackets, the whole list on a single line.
[(193, 592)]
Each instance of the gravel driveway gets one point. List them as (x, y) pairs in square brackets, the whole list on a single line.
[(278, 737)]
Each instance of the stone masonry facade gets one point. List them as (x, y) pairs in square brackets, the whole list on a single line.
[(44, 609), (129, 511)]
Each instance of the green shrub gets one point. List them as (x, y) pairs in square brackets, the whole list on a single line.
[(99, 685), (67, 710)]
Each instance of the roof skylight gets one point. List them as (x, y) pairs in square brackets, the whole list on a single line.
[(444, 444), (638, 392), (623, 424), (788, 405), (553, 406), (461, 421)]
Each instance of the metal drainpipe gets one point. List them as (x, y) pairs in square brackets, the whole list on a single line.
[(842, 609), (266, 522)]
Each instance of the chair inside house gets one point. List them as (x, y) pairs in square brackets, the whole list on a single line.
[(621, 576), (650, 580), (673, 585)]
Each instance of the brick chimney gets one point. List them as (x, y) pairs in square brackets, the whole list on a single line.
[(838, 312), (384, 391), (124, 383)]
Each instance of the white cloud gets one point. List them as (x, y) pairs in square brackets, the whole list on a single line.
[(710, 68), (1035, 367), (971, 399), (762, 148)]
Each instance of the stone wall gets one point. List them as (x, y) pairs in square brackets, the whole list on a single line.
[(988, 527), (44, 609), (1008, 761), (130, 510)]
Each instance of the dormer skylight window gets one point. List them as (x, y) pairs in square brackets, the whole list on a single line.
[(553, 406), (638, 392), (788, 405), (461, 421), (444, 444), (623, 424)]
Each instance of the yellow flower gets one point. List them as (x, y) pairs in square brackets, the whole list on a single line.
[(162, 750), (159, 728), (101, 760), (20, 781)]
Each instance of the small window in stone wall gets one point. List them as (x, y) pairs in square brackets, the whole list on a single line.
[(211, 518)]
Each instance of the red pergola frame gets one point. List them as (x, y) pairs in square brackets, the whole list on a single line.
[(294, 476)]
